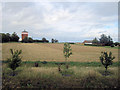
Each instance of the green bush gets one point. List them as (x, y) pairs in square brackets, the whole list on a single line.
[(15, 60), (106, 59)]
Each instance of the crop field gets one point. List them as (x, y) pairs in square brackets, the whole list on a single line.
[(54, 52)]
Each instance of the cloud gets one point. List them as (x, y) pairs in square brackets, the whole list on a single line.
[(66, 21)]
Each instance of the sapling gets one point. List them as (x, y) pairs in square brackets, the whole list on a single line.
[(106, 59), (15, 59), (67, 52)]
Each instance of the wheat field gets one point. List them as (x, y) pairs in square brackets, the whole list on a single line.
[(54, 52)]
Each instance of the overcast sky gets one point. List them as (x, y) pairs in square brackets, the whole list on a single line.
[(65, 21)]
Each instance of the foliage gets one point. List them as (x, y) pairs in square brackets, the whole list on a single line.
[(106, 40), (48, 77), (95, 41), (112, 45), (27, 40), (67, 52), (116, 43), (106, 59), (9, 38), (15, 60), (30, 40), (45, 40), (14, 37), (54, 40)]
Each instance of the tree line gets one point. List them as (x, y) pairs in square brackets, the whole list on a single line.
[(6, 37), (104, 40), (9, 37)]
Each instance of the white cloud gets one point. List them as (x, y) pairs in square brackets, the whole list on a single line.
[(65, 21)]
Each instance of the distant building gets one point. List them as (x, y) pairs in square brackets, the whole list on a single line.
[(87, 42), (24, 34)]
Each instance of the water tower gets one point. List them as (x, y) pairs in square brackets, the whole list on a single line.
[(24, 34)]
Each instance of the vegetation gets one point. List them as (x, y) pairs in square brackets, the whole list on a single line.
[(116, 43), (67, 52), (95, 41), (27, 40), (9, 38), (106, 59), (49, 77), (54, 40), (15, 60), (54, 52), (107, 41), (44, 74), (104, 41)]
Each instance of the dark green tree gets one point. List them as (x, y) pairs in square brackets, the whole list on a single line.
[(4, 38), (30, 40), (106, 40), (116, 43), (95, 41), (106, 59), (103, 39), (67, 52), (8, 37), (110, 41), (15, 59), (52, 40), (45, 40), (14, 37)]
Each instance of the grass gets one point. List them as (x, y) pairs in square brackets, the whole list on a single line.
[(85, 69), (54, 52), (49, 77), (54, 64)]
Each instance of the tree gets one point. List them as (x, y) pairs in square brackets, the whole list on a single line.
[(30, 40), (55, 41), (106, 59), (67, 52), (14, 37), (116, 43), (52, 40), (15, 60), (95, 41), (4, 38), (25, 40), (110, 42), (106, 40), (44, 40), (103, 39), (8, 37)]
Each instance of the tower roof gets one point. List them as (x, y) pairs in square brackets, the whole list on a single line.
[(24, 31)]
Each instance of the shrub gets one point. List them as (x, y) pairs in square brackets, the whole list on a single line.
[(106, 59), (15, 60), (36, 64), (44, 62), (112, 45)]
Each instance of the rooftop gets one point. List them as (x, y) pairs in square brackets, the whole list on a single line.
[(87, 41), (25, 31)]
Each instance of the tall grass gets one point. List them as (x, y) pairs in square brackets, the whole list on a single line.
[(48, 77)]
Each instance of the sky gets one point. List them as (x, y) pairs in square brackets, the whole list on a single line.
[(64, 21)]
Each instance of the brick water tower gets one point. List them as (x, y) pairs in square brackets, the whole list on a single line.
[(24, 34)]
